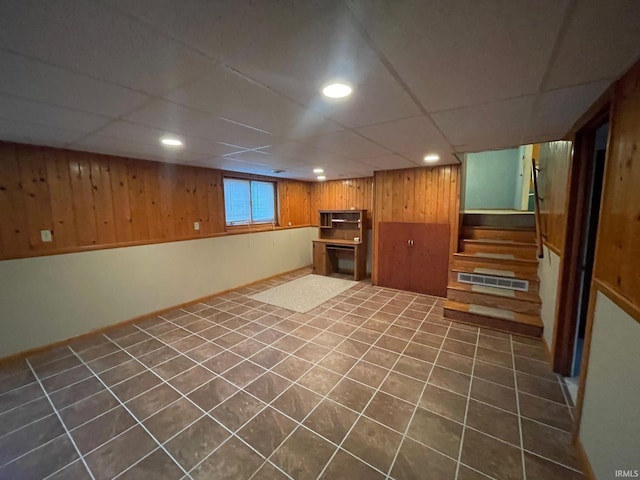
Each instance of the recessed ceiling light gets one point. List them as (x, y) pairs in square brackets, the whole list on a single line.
[(321, 177), (171, 142), (318, 170), (432, 157), (337, 90)]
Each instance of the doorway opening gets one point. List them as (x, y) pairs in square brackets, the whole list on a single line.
[(585, 191)]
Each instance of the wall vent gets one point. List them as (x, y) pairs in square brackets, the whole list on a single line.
[(491, 281)]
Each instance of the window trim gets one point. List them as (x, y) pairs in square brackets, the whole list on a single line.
[(251, 178)]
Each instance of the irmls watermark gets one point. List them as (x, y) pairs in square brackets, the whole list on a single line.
[(627, 473)]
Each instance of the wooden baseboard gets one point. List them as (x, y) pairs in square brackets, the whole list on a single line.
[(586, 464), (34, 351)]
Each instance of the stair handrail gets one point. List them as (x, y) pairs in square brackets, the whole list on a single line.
[(536, 209)]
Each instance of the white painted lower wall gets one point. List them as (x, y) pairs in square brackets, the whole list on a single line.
[(52, 298), (548, 272), (610, 426)]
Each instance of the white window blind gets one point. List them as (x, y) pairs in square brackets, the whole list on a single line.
[(248, 201)]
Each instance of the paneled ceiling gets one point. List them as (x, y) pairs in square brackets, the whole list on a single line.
[(239, 81)]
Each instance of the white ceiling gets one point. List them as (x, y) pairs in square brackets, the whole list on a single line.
[(239, 81)]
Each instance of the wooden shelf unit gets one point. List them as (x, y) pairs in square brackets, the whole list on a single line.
[(341, 234)]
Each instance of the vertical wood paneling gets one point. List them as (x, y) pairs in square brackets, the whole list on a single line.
[(137, 199), (215, 196), (121, 203), (61, 199), (82, 191), (149, 173), (419, 195), (102, 199), (554, 163), (14, 227), (355, 193), (89, 200), (618, 249), (36, 194)]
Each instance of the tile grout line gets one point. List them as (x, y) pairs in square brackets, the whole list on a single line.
[(415, 409), (75, 446), (376, 390), (233, 434), (205, 413), (324, 397), (466, 409), (515, 384), (265, 327), (345, 376), (122, 404)]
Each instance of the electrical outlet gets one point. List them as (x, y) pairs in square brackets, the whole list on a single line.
[(289, 223), (45, 236), (196, 225)]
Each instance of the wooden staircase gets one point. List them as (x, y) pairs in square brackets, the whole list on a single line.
[(499, 252)]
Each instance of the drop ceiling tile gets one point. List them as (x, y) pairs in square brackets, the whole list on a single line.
[(298, 61), (227, 94), (33, 133), (557, 110), (347, 144), (86, 37), (194, 123), (493, 125), (304, 154), (15, 108), (388, 162), (411, 137), (225, 28), (454, 54), (129, 148), (34, 80), (377, 98), (601, 41), (151, 136)]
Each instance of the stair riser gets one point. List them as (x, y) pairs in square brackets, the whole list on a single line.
[(534, 285), (505, 303), (519, 220), (496, 263), (527, 253), (478, 233), (493, 323)]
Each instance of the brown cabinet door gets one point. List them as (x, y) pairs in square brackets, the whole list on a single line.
[(430, 258), (394, 267), (414, 257)]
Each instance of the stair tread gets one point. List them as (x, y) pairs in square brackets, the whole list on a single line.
[(517, 294), (498, 242), (505, 228), (502, 314), (472, 256)]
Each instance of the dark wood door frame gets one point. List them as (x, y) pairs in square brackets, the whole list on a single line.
[(580, 181)]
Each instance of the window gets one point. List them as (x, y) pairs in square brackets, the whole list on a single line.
[(249, 201)]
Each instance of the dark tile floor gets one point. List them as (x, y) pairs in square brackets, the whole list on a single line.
[(372, 384)]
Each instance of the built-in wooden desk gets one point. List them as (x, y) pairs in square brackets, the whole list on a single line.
[(327, 254), (342, 234)]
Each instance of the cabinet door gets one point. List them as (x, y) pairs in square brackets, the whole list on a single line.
[(394, 265), (429, 258)]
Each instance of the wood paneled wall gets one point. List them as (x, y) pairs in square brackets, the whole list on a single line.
[(618, 248), (294, 202), (349, 194), (420, 195), (554, 162), (94, 201)]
